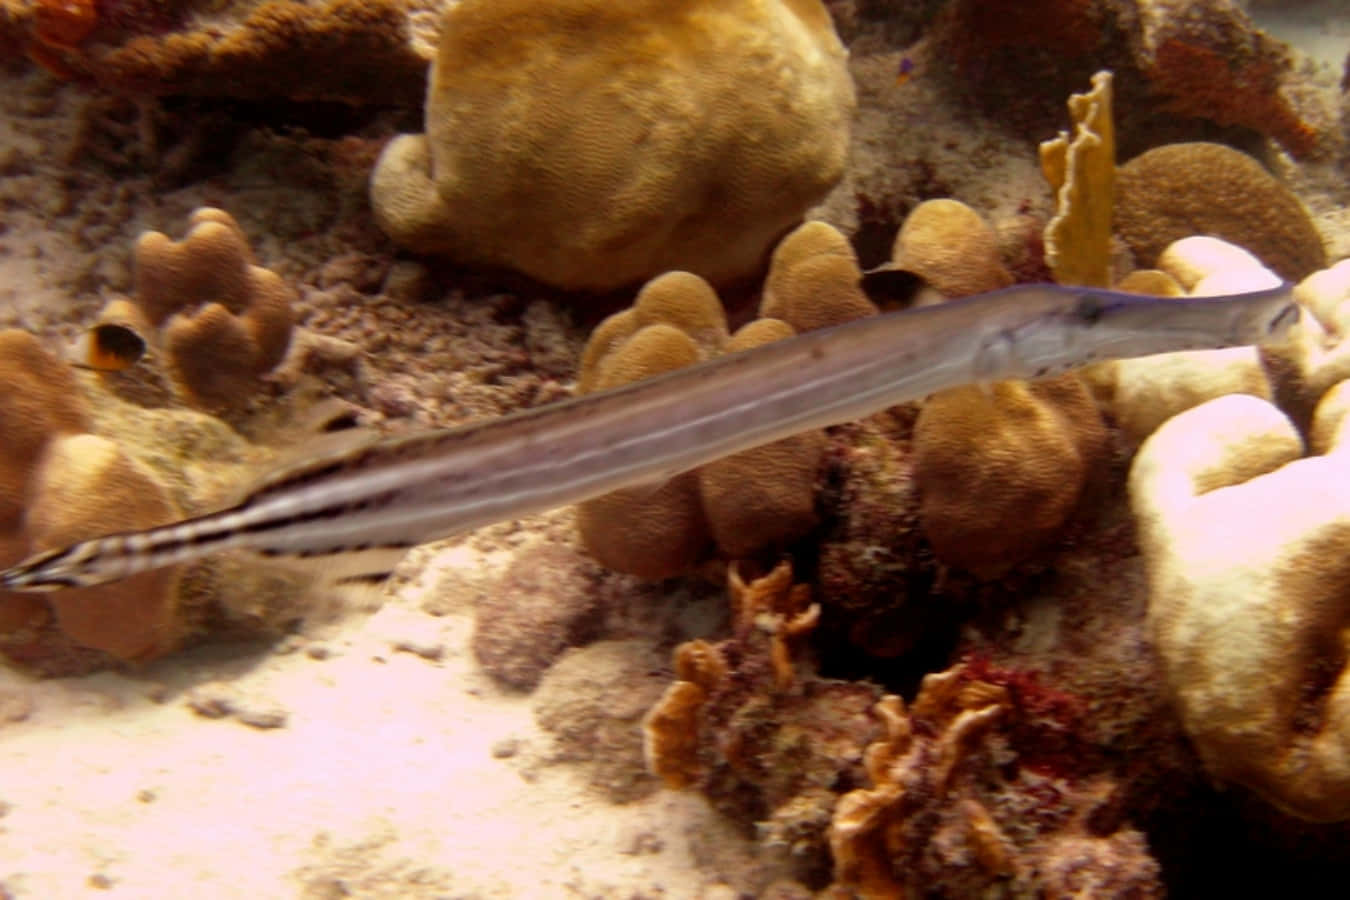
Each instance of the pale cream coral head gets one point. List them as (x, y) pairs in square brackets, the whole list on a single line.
[(1247, 544)]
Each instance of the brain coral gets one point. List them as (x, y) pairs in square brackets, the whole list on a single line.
[(1247, 545), (591, 145), (1179, 190)]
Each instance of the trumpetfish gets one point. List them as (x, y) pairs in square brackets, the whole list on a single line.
[(388, 495)]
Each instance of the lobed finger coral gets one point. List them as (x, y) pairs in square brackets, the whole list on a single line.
[(1246, 542), (60, 484), (755, 499), (592, 146), (814, 280), (220, 320), (952, 247)]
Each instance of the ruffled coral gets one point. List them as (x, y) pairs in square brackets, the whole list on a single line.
[(745, 502), (1081, 169), (592, 146), (1179, 190), (222, 320), (941, 814), (751, 726), (1247, 542)]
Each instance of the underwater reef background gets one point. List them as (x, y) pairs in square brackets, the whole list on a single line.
[(1077, 637)]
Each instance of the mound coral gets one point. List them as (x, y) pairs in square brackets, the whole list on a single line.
[(745, 502), (1247, 544), (814, 280), (591, 146), (1001, 468), (1178, 190), (220, 320), (952, 247), (59, 484)]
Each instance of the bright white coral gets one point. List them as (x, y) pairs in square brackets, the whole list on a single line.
[(1247, 542)]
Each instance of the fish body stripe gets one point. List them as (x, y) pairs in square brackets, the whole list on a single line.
[(402, 491)]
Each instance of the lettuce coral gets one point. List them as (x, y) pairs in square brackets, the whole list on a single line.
[(591, 145), (1081, 169)]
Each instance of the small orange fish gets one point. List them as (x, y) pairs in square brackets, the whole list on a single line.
[(108, 348)]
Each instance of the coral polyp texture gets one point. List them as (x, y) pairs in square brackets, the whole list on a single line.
[(593, 145), (743, 503), (1178, 190), (1247, 543), (1001, 468), (220, 321), (952, 247)]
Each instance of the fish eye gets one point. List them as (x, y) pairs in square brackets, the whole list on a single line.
[(1287, 317), (1089, 308)]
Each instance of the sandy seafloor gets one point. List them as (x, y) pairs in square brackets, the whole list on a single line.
[(400, 769), (368, 755)]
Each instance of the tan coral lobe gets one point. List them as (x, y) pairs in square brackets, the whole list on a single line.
[(591, 145)]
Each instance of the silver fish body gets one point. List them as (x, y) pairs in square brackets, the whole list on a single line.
[(399, 492)]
